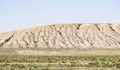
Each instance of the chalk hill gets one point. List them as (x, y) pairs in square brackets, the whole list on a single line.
[(64, 36)]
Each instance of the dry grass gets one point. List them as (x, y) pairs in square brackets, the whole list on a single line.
[(93, 59), (68, 52)]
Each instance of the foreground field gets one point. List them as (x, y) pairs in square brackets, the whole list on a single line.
[(54, 59)]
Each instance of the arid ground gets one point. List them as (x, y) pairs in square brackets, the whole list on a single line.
[(56, 59), (62, 47)]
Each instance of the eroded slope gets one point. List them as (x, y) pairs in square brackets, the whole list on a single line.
[(64, 36)]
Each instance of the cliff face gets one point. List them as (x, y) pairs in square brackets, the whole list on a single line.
[(64, 36)]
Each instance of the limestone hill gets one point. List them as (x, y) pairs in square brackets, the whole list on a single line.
[(64, 36)]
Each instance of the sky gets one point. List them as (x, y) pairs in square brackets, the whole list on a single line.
[(18, 14)]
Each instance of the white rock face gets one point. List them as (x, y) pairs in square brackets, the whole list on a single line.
[(64, 36)]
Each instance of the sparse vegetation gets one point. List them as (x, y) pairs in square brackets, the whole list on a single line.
[(19, 61)]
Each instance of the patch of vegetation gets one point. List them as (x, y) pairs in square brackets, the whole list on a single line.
[(70, 61), (14, 61)]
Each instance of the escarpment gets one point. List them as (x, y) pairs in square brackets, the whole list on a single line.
[(64, 36)]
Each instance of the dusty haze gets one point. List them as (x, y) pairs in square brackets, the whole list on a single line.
[(64, 36)]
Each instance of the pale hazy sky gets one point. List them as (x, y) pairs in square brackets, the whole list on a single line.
[(18, 14)]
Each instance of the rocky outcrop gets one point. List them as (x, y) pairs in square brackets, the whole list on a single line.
[(64, 36)]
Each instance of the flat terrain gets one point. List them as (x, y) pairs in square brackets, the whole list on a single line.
[(60, 51), (54, 59)]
